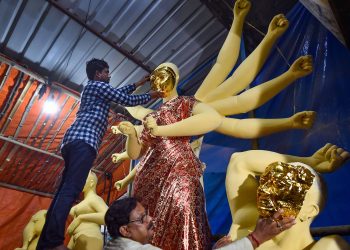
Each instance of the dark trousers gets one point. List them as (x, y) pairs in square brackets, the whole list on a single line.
[(78, 158)]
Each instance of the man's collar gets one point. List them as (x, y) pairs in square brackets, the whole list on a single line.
[(95, 81), (129, 241)]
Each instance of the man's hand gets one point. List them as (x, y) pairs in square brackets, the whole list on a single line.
[(224, 241), (156, 94), (142, 81), (267, 228)]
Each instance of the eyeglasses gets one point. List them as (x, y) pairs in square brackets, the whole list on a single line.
[(141, 220)]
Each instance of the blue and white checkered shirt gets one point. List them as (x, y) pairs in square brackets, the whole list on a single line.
[(91, 120)]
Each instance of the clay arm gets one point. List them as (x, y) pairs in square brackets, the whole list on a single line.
[(139, 112), (72, 212), (99, 206), (28, 234), (254, 162), (97, 218), (251, 66), (245, 165), (203, 120), (255, 128), (259, 95), (119, 185), (334, 242), (327, 159), (229, 52), (133, 146), (117, 157)]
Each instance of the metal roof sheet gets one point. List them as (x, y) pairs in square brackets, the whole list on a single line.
[(55, 39), (38, 34)]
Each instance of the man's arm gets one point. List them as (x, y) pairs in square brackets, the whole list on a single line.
[(266, 229), (107, 92), (226, 244), (128, 89)]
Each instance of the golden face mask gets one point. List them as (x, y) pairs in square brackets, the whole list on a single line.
[(283, 186), (163, 80)]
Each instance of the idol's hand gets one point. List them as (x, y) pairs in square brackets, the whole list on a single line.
[(278, 25), (115, 130), (117, 157), (75, 223), (301, 66), (72, 211), (151, 124), (241, 8), (119, 185), (303, 120), (127, 128), (329, 158)]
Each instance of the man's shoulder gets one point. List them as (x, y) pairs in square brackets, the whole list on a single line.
[(93, 87), (148, 247), (124, 243), (95, 83)]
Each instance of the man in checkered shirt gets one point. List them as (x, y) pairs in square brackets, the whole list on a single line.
[(81, 142)]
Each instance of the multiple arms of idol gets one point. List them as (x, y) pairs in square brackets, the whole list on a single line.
[(218, 97)]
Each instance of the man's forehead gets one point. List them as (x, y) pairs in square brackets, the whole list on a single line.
[(139, 209)]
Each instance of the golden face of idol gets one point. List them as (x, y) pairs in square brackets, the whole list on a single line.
[(163, 80), (283, 186)]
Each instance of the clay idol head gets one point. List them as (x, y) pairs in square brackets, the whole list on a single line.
[(283, 186), (165, 78)]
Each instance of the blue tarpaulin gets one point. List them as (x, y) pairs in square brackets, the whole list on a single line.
[(325, 91)]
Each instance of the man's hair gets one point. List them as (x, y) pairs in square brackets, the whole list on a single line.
[(118, 214), (95, 65)]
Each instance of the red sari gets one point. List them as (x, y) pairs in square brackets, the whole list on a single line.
[(167, 182)]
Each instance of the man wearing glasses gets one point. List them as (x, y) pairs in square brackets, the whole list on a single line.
[(129, 225)]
